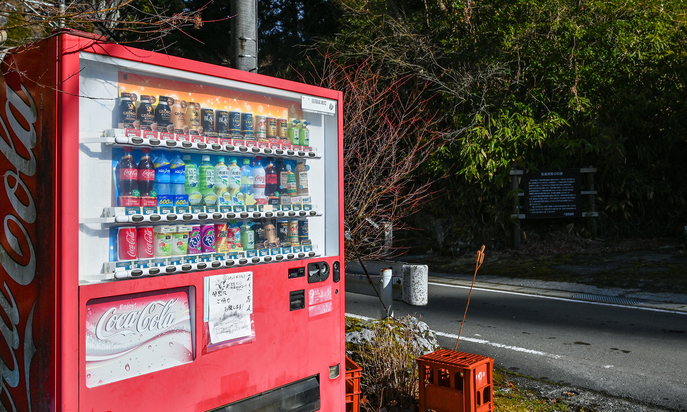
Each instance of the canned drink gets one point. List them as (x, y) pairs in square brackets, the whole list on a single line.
[(207, 238), (271, 128), (126, 243), (303, 231), (192, 119), (246, 122), (145, 239), (235, 122), (207, 120), (163, 240), (261, 127), (222, 121), (145, 113), (259, 235), (180, 240), (283, 129), (194, 239), (221, 238), (271, 237), (283, 232), (293, 232)]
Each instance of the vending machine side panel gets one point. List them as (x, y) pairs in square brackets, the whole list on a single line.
[(28, 348)]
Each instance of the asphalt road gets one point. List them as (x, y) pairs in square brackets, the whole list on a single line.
[(629, 352)]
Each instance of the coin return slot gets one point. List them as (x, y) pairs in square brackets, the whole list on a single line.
[(297, 299)]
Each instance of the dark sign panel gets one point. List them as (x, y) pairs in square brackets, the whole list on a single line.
[(552, 194)]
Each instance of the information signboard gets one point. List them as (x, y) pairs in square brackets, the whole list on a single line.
[(553, 194)]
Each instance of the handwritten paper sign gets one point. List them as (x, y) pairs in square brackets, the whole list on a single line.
[(229, 305)]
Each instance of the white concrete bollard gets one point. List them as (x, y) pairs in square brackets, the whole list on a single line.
[(415, 278)]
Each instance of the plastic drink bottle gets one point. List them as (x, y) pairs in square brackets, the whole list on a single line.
[(146, 174), (162, 175), (177, 176), (206, 181), (302, 178), (234, 178), (304, 135), (247, 237), (192, 185), (221, 179), (291, 188), (271, 182), (294, 131), (246, 177), (127, 175), (259, 182), (283, 177)]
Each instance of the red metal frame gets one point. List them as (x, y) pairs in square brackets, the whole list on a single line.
[(278, 355)]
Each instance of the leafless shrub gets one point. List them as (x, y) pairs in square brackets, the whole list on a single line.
[(388, 134)]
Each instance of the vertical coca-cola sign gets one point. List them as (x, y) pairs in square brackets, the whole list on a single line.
[(26, 273)]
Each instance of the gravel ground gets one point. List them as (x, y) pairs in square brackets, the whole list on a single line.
[(581, 399)]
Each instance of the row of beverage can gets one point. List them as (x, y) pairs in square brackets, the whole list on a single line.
[(161, 241), (179, 116)]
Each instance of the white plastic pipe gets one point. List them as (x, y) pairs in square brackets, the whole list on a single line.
[(386, 291)]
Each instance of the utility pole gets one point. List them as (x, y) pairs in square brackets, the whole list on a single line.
[(243, 51)]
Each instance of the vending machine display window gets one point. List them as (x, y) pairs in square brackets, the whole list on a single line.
[(186, 172)]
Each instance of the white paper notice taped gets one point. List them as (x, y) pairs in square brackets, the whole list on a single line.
[(229, 304)]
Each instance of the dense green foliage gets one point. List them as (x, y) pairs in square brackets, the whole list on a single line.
[(544, 84)]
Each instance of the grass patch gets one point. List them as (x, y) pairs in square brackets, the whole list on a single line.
[(508, 397)]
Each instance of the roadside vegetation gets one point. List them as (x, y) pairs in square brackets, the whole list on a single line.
[(386, 350)]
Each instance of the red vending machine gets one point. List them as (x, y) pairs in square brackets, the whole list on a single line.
[(172, 236)]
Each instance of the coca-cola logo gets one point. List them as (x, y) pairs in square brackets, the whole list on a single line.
[(148, 242), (130, 238), (157, 316), (259, 179), (128, 174), (146, 174), (18, 136)]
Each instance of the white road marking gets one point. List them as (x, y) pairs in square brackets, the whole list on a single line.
[(508, 292), (480, 341)]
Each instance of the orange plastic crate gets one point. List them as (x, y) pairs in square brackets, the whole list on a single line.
[(353, 375), (456, 382)]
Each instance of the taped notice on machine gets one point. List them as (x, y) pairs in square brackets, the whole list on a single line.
[(229, 306)]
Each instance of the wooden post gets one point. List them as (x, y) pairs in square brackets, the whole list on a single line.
[(592, 203), (515, 176)]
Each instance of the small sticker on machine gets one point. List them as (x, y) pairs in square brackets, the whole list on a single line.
[(318, 105), (319, 300)]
